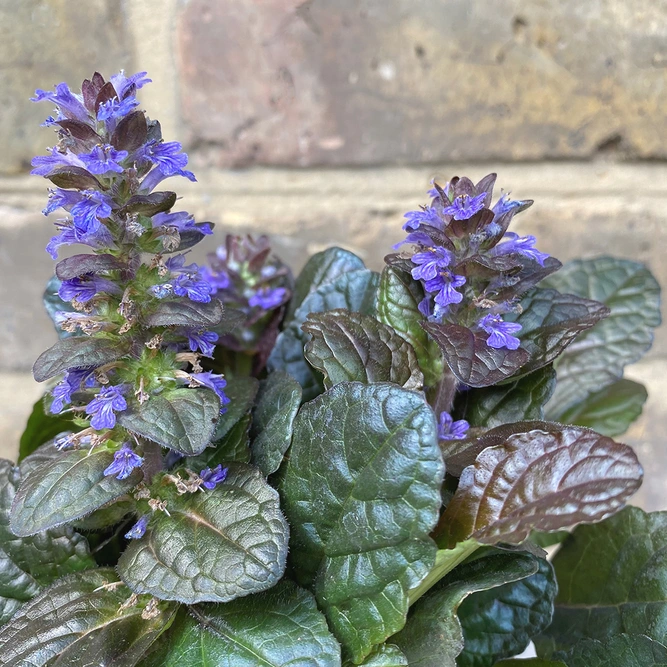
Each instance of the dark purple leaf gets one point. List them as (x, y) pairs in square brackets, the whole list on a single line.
[(75, 177), (79, 130), (149, 205), (79, 265), (107, 92), (131, 132), (185, 313)]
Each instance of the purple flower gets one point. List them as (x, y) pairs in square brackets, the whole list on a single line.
[(168, 156), (124, 461), (104, 406), (122, 83), (268, 298), (61, 198), (62, 392), (45, 164), (445, 284), (203, 341), (68, 236), (418, 238), (193, 287), (139, 529), (211, 478), (448, 429), (112, 110), (464, 206), (182, 221), (430, 262), (504, 204), (500, 332), (85, 288), (69, 104), (87, 212), (215, 382), (103, 159), (219, 280), (427, 216), (523, 245)]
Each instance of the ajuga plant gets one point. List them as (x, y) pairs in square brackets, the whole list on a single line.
[(231, 467)]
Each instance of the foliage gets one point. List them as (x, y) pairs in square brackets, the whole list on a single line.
[(235, 467)]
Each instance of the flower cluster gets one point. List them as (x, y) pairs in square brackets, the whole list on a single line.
[(106, 166), (471, 268), (245, 276)]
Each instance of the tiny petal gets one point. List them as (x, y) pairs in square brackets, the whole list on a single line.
[(216, 383), (268, 298), (139, 529), (448, 429), (211, 478), (203, 341), (464, 206), (124, 462), (500, 332), (104, 406)]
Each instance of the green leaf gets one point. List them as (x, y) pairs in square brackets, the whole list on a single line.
[(107, 515), (185, 313), (348, 346), (81, 621), (609, 411), (215, 545), (543, 539), (241, 392), (521, 400), (385, 655), (287, 356), (500, 622), (279, 627), (181, 419), (361, 489), (29, 563), (550, 321), (398, 307), (598, 357), (42, 427), (621, 651), (530, 662), (432, 636), (272, 420), (612, 579), (540, 479), (77, 352), (66, 488), (232, 447), (323, 267)]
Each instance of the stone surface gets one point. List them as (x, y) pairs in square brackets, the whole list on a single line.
[(44, 42), (343, 82)]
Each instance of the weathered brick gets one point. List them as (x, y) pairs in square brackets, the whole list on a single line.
[(385, 81), (44, 42)]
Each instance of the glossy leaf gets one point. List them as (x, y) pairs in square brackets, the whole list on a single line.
[(348, 346), (530, 662), (65, 489), (518, 401), (398, 307), (54, 305), (79, 265), (432, 636), (272, 420), (75, 177), (551, 321), (27, 564), (41, 427), (234, 446), (500, 622), (470, 359), (620, 651), (241, 392), (540, 479), (385, 655), (185, 313), (279, 627), (609, 411), (215, 546), (181, 419), (131, 132), (149, 205), (612, 579), (597, 358), (287, 356), (361, 489), (323, 267), (77, 352), (81, 622)]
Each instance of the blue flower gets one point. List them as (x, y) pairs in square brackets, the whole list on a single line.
[(139, 529), (104, 406), (500, 332), (445, 284), (103, 159), (45, 164), (112, 110), (68, 236), (215, 382), (464, 206), (59, 198), (122, 83), (430, 262), (86, 214), (203, 341), (124, 462), (193, 287), (85, 288), (448, 429), (219, 280), (523, 245), (167, 155), (62, 392), (268, 298), (182, 221), (69, 104), (504, 204), (426, 216), (211, 478)]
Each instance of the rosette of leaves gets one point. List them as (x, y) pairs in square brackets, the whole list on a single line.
[(399, 428)]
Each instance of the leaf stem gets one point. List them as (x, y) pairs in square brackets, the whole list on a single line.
[(445, 561), (441, 396)]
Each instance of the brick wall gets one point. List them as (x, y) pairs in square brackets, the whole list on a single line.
[(322, 121)]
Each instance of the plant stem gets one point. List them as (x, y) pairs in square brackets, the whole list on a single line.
[(441, 396)]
